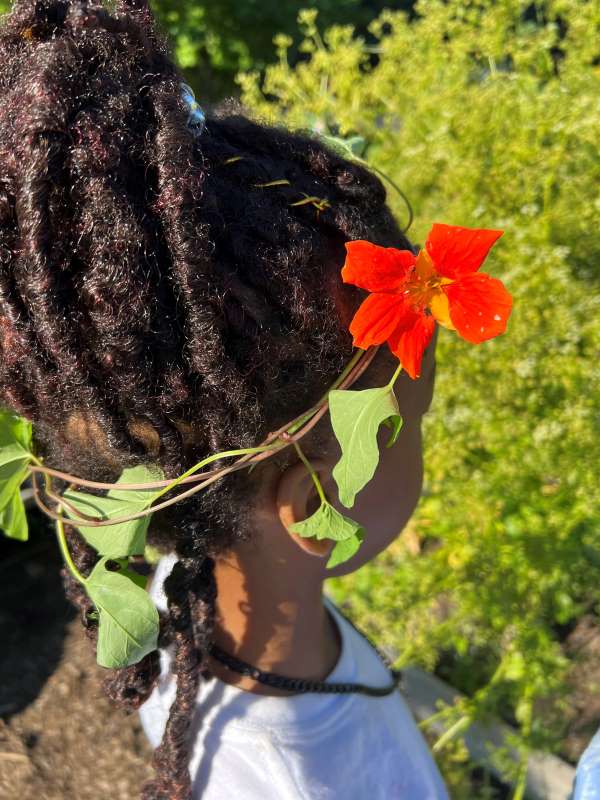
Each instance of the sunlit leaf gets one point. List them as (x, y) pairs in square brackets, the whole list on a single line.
[(15, 454), (13, 519), (328, 523), (128, 623), (123, 539), (356, 417), (345, 550), (353, 146)]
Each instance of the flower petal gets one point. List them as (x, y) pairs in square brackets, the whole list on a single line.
[(440, 308), (457, 251), (377, 318), (424, 266), (376, 269), (479, 306), (409, 341)]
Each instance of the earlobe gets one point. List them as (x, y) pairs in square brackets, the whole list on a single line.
[(294, 493)]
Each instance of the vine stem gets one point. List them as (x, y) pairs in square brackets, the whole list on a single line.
[(312, 472), (248, 451), (353, 370), (275, 442), (394, 186), (66, 554)]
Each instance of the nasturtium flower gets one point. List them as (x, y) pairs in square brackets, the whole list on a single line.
[(410, 293)]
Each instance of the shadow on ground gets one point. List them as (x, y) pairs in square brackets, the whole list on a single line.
[(60, 738), (34, 615)]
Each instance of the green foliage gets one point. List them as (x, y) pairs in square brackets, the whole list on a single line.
[(328, 523), (125, 538), (213, 40), (128, 620), (356, 417), (13, 520), (486, 114), (128, 628), (15, 456)]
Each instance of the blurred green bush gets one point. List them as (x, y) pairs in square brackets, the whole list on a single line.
[(213, 40), (486, 114)]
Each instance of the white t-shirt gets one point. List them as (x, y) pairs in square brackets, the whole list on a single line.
[(305, 746)]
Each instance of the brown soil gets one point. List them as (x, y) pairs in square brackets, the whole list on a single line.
[(60, 738), (583, 708)]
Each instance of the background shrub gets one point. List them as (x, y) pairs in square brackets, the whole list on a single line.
[(486, 114), (213, 40)]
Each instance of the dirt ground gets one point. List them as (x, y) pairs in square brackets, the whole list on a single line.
[(60, 738)]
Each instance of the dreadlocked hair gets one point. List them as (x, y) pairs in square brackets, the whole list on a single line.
[(163, 295)]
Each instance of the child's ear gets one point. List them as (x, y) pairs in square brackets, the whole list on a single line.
[(297, 499)]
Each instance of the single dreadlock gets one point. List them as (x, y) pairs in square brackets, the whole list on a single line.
[(163, 296)]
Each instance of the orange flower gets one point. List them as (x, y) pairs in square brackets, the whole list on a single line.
[(409, 293)]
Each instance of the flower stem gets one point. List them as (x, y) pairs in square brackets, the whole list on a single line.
[(395, 376), (311, 472)]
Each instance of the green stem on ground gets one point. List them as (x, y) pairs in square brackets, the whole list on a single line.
[(424, 723), (453, 731), (521, 784)]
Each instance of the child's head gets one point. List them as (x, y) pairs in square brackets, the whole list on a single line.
[(164, 295)]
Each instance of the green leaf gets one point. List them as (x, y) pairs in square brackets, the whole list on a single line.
[(136, 577), (123, 539), (326, 523), (352, 147), (343, 551), (13, 520), (15, 454), (356, 417), (128, 626)]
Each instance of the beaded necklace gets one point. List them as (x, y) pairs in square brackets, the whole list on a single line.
[(302, 686)]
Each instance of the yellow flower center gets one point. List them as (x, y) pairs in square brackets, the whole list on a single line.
[(425, 290)]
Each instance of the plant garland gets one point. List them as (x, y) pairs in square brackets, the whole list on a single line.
[(407, 295)]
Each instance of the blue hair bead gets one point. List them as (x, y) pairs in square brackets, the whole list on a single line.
[(197, 117)]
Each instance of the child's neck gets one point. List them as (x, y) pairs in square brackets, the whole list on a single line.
[(273, 617)]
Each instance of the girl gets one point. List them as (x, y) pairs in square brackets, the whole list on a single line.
[(170, 288)]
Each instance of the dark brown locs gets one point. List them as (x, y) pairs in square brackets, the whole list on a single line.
[(158, 302)]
